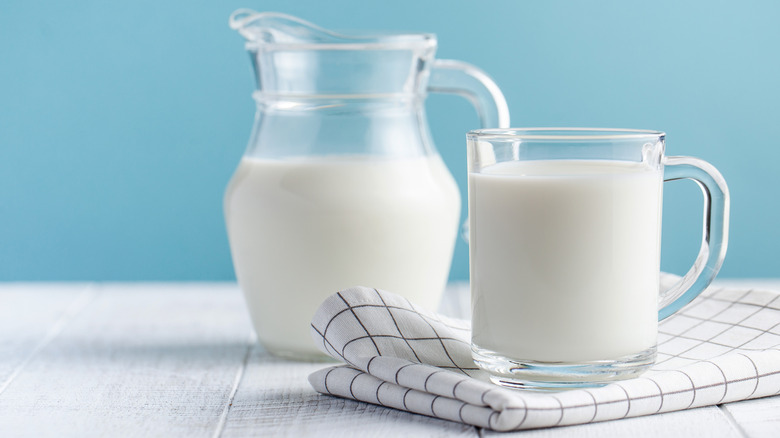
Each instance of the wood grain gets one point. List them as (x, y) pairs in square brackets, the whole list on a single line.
[(759, 418), (140, 360), (178, 360), (275, 399), (31, 316)]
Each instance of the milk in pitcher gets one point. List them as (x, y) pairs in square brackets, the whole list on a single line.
[(304, 228)]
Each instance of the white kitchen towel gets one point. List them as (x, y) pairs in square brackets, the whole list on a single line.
[(723, 347)]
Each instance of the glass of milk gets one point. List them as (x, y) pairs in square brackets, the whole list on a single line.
[(565, 231)]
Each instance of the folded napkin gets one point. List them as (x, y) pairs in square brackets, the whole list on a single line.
[(723, 347)]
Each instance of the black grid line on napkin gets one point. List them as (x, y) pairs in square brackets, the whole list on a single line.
[(724, 346), (401, 314), (704, 337)]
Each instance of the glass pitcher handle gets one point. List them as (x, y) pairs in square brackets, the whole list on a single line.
[(466, 80), (461, 78), (715, 237)]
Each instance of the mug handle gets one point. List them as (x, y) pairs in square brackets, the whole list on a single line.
[(470, 82), (715, 236)]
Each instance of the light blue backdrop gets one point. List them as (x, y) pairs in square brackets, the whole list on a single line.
[(121, 122)]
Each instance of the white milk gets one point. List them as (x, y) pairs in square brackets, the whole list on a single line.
[(565, 259), (303, 229)]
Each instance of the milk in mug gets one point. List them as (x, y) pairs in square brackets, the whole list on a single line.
[(565, 258), (301, 229)]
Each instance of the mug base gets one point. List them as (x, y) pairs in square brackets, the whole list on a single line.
[(557, 376)]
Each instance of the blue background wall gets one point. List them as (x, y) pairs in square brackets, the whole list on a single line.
[(121, 122)]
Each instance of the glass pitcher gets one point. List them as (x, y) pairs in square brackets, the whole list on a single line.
[(340, 184)]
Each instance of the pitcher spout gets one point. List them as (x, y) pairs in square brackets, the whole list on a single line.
[(279, 28), (293, 57), (275, 27)]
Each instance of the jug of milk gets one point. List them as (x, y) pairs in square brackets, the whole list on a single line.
[(340, 184)]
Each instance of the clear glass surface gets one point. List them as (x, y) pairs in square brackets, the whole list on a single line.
[(340, 184), (565, 251)]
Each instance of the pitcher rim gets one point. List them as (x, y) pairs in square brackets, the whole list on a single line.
[(241, 18)]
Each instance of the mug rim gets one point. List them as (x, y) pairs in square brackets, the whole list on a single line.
[(564, 133)]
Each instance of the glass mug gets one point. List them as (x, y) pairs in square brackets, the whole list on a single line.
[(565, 230)]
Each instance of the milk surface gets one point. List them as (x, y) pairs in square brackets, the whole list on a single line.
[(565, 259), (303, 229)]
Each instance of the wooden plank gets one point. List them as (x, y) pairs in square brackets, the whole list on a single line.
[(759, 418), (167, 360), (275, 399), (707, 422), (31, 315), (141, 360)]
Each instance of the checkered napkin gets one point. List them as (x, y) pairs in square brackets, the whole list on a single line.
[(723, 347)]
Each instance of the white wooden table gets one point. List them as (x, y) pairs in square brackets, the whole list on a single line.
[(179, 359)]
